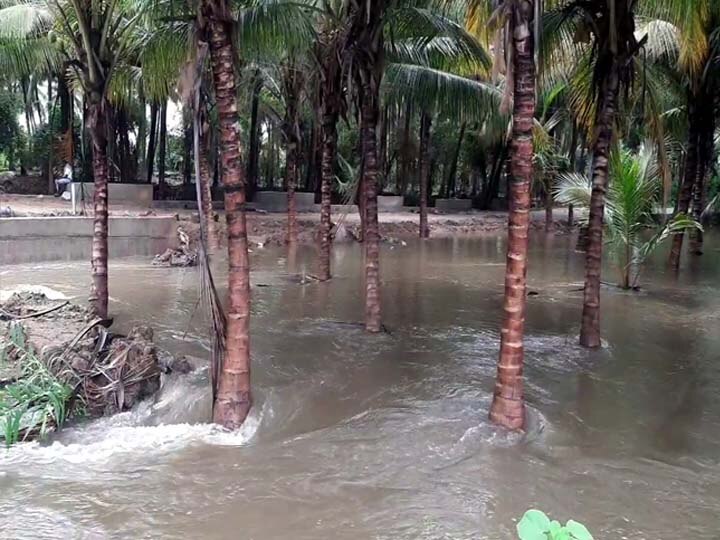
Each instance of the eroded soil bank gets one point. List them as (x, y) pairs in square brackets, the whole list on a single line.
[(58, 362)]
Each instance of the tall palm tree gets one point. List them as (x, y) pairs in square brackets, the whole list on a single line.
[(611, 25), (233, 400), (328, 51), (264, 20), (423, 64), (293, 82), (419, 36), (697, 54), (96, 38), (366, 45), (508, 407), (517, 20), (425, 141)]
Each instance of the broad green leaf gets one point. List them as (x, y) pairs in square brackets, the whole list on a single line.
[(555, 528), (528, 531), (578, 530), (533, 526)]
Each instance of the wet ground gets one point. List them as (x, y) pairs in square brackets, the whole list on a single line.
[(385, 437)]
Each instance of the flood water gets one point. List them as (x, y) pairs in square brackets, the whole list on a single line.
[(385, 437)]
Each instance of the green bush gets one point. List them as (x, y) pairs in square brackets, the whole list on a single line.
[(535, 525)]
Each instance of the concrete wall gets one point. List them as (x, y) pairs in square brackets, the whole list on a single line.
[(71, 226), (390, 203), (33, 239), (276, 201), (453, 205), (137, 194)]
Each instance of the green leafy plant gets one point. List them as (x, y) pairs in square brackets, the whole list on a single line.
[(535, 525), (37, 401), (632, 232)]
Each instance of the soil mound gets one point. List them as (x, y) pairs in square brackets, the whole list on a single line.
[(58, 361)]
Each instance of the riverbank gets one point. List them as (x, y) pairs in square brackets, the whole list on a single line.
[(265, 229), (270, 229)]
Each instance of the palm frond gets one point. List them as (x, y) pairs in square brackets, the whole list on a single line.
[(573, 188), (435, 90), (273, 25)]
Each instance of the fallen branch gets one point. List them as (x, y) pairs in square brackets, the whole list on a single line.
[(6, 315)]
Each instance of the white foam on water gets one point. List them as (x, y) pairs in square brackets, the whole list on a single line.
[(44, 522), (51, 294), (118, 442)]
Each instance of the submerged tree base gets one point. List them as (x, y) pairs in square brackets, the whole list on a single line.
[(57, 361)]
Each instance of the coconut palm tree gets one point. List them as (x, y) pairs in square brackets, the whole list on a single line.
[(328, 52), (694, 48), (365, 44), (94, 38), (611, 23), (218, 24), (634, 194), (516, 19), (508, 407), (233, 400), (419, 36), (442, 73)]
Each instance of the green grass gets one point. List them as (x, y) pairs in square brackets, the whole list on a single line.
[(36, 403)]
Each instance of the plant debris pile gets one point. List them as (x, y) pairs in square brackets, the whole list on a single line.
[(185, 255), (57, 361)]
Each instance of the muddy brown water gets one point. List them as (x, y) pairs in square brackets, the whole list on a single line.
[(385, 437)]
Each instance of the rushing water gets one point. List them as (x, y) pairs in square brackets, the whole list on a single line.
[(385, 437)]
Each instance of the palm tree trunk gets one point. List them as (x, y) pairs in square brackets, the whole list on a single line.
[(124, 155), (233, 399), (291, 129), (291, 175), (150, 160), (456, 156), (206, 196), (187, 163), (66, 116), (590, 326), (162, 150), (689, 175), (493, 187), (383, 146), (508, 405), (36, 100), (705, 158), (360, 195), (311, 163), (329, 133), (404, 168), (111, 130), (141, 143), (29, 122), (696, 239), (371, 239), (99, 260), (425, 126), (254, 157)]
